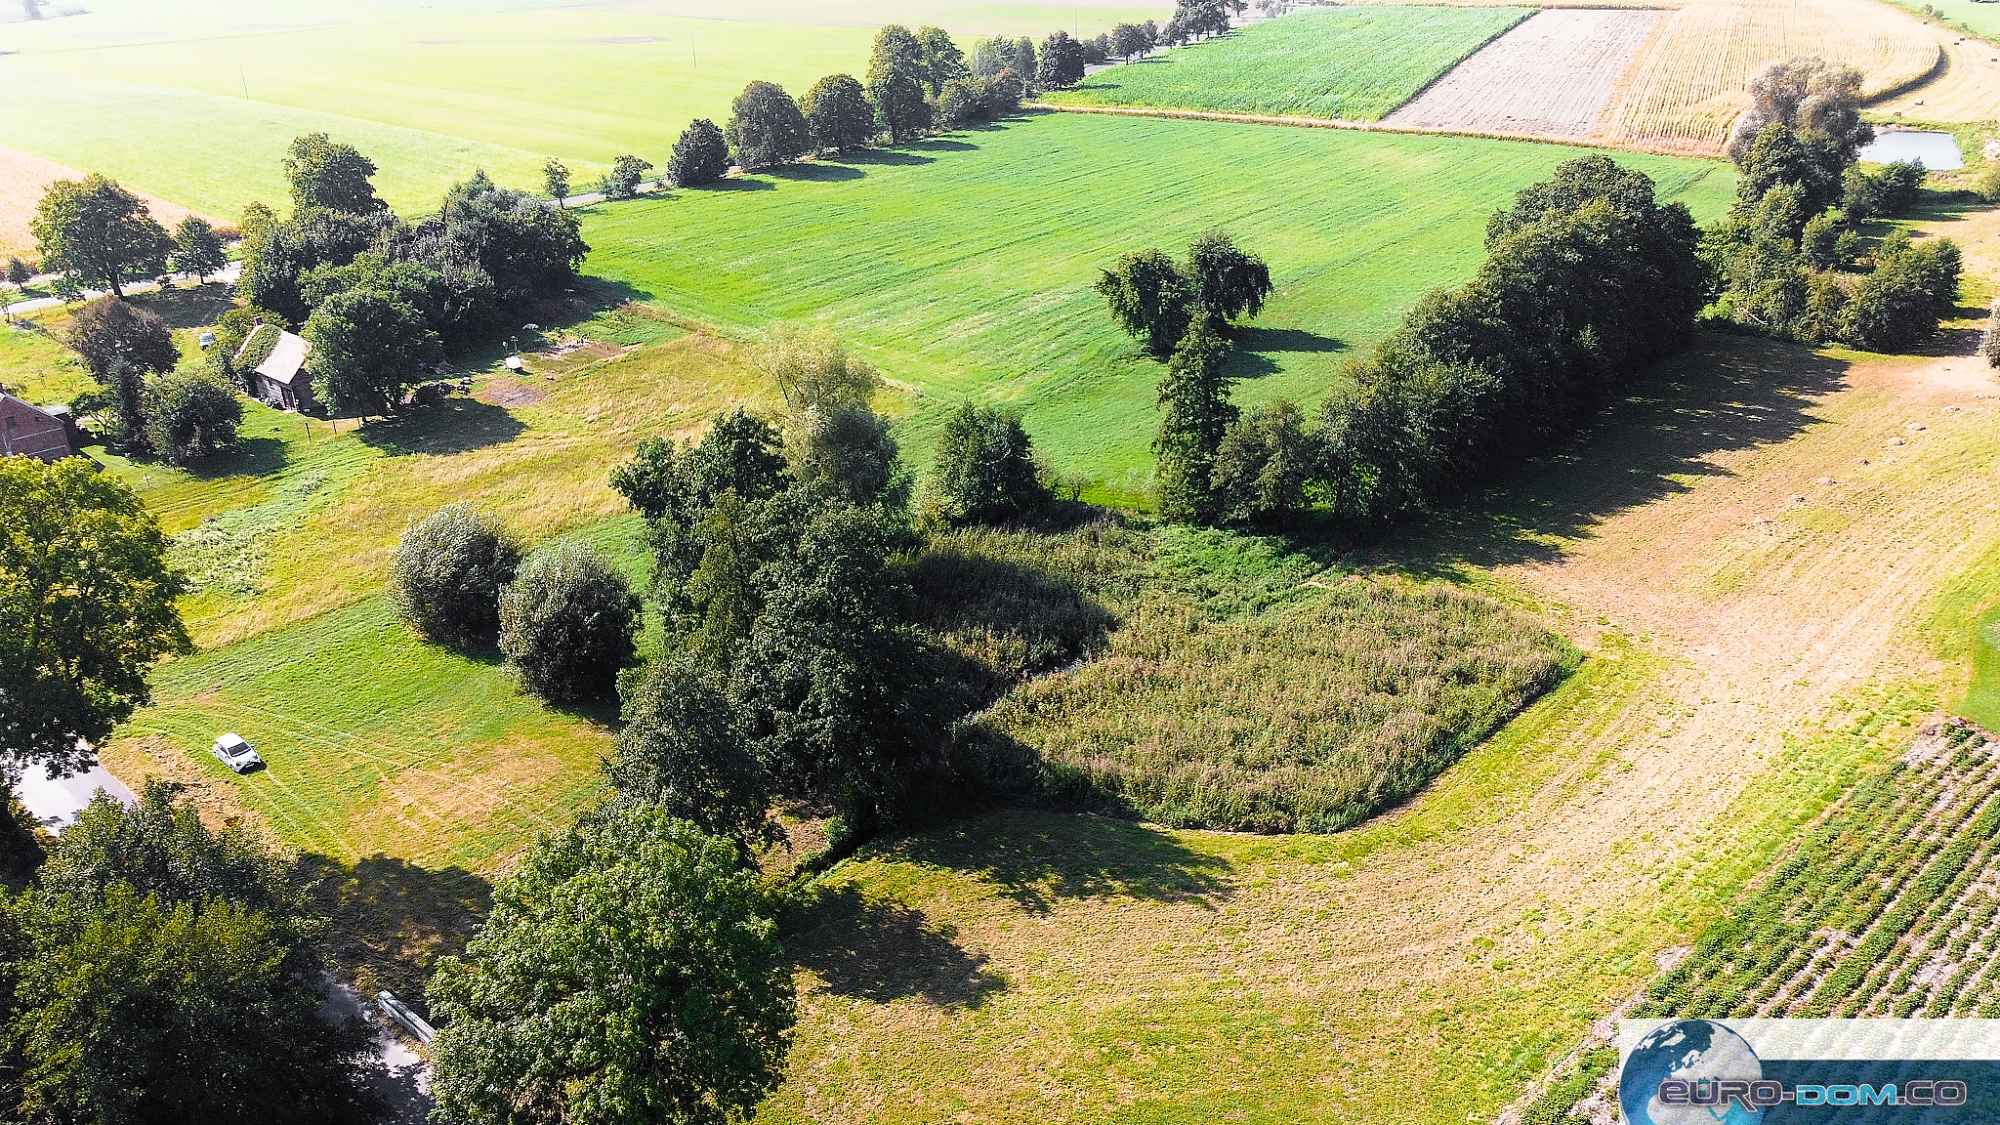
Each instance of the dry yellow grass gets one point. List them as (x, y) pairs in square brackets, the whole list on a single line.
[(1688, 83), (1968, 90)]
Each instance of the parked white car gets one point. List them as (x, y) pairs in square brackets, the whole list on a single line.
[(237, 754)]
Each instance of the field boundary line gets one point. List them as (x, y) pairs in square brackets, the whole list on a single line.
[(1698, 151), (1527, 14)]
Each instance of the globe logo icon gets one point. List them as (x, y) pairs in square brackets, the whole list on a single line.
[(1688, 1050)]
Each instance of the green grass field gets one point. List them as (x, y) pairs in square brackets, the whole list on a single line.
[(198, 108), (963, 265), (1351, 64)]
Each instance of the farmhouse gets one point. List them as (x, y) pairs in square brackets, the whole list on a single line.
[(33, 431), (277, 378)]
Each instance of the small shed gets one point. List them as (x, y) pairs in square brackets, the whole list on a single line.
[(279, 377), (35, 431)]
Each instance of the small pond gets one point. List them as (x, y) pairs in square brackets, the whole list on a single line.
[(1938, 151)]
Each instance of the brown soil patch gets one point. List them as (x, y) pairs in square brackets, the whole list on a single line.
[(510, 392)]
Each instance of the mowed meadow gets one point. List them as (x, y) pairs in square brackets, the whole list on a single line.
[(963, 265), (195, 102), (1355, 64)]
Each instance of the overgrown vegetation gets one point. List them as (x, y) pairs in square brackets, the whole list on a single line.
[(1249, 698)]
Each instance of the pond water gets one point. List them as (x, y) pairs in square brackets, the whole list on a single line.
[(1938, 151)]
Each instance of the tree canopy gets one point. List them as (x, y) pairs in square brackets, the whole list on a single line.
[(98, 235), (629, 974), (766, 127), (325, 173), (448, 572), (700, 156), (369, 346), (198, 250), (567, 623), (838, 113), (86, 609)]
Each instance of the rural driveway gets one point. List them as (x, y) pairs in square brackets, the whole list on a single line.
[(404, 1083), (55, 802), (227, 276)]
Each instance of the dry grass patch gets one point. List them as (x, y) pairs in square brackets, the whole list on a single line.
[(24, 177), (1691, 78)]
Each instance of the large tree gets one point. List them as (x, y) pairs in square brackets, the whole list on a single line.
[(110, 335), (1195, 414), (700, 156), (198, 250), (1150, 298), (629, 974), (86, 608), (1062, 62), (98, 235), (368, 348), (167, 972), (943, 62), (765, 127), (682, 751), (325, 173), (1809, 96), (838, 113), (896, 74), (1228, 281)]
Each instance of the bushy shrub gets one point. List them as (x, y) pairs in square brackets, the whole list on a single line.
[(448, 574), (622, 181), (838, 113), (1899, 304), (701, 156), (1884, 193), (566, 624), (191, 415), (1989, 344), (1263, 466), (985, 470), (962, 101)]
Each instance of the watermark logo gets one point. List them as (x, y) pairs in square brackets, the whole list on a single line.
[(1693, 1072), (1782, 1072)]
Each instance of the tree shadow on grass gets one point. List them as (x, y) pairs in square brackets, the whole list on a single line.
[(1000, 622), (1726, 393), (194, 307), (885, 157), (456, 425), (254, 457), (1038, 858), (1257, 349), (393, 919), (885, 951), (819, 171)]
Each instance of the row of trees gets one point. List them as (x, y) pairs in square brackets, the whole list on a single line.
[(1588, 280), (1785, 259), (380, 300), (916, 81)]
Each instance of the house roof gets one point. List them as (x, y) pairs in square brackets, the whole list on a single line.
[(286, 359), (28, 430)]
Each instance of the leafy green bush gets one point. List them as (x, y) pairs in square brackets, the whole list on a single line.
[(566, 624), (985, 470), (448, 574), (191, 415)]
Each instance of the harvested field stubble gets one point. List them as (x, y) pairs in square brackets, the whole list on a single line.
[(1552, 75), (1689, 81)]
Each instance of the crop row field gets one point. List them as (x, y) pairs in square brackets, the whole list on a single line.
[(1553, 76), (195, 102), (1353, 64), (963, 266), (1887, 908)]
